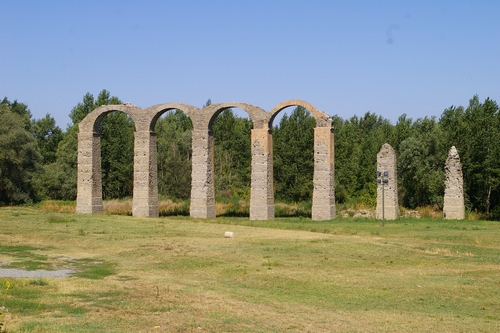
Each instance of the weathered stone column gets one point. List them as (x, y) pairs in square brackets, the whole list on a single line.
[(145, 200), (453, 206), (388, 192), (89, 189), (202, 176), (261, 195), (323, 205)]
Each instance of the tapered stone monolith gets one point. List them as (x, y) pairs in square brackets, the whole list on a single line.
[(453, 206), (387, 184)]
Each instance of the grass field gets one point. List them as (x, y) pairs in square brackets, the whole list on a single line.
[(178, 274)]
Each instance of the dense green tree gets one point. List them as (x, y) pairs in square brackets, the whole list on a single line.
[(57, 181), (173, 138), (421, 147), (47, 135), (420, 159), (347, 158), (21, 110), (475, 132), (357, 142), (293, 150), (82, 109), (59, 178), (402, 131), (420, 172), (374, 131), (19, 158), (483, 169), (232, 154), (117, 155)]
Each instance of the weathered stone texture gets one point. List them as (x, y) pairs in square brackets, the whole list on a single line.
[(323, 205), (386, 161), (453, 206), (89, 190), (145, 200), (202, 175), (261, 196)]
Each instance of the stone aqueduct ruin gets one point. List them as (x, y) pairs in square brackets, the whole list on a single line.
[(145, 197)]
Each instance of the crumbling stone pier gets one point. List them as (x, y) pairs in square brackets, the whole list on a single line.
[(453, 205), (387, 188)]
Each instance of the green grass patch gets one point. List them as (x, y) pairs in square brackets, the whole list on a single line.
[(25, 257), (284, 275), (93, 269), (38, 282), (59, 219)]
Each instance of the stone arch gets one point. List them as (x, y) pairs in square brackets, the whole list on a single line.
[(89, 189), (322, 119), (145, 200), (202, 190), (157, 110), (92, 121), (258, 116), (323, 205)]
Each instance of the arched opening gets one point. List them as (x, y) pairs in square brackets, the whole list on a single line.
[(233, 137), (231, 129), (105, 158), (116, 132), (173, 129), (323, 192), (233, 132), (293, 161)]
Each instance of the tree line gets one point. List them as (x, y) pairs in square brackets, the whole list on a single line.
[(38, 160)]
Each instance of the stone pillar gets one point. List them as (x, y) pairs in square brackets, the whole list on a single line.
[(89, 189), (145, 200), (453, 206), (202, 176), (386, 162), (323, 205), (261, 195)]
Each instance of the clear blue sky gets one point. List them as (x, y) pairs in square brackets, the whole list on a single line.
[(344, 57)]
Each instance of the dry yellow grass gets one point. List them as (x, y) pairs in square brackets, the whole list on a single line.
[(58, 206), (430, 212), (177, 274), (241, 208), (118, 207)]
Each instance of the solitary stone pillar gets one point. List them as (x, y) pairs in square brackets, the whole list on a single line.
[(387, 191), (202, 176), (261, 197), (453, 207), (89, 190), (323, 205), (145, 200)]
